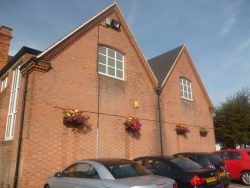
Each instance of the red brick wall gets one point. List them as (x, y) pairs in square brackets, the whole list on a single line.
[(8, 148), (49, 146), (193, 113)]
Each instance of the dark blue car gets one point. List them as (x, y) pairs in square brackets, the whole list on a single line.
[(187, 173)]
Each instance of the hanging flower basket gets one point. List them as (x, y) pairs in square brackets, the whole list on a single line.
[(203, 131), (74, 117), (132, 125), (181, 129)]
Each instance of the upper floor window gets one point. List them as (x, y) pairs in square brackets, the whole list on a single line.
[(186, 89), (4, 83), (111, 63), (11, 119)]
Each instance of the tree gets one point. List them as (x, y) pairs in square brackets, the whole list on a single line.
[(232, 120)]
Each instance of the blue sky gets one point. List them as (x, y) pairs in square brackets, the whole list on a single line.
[(216, 32)]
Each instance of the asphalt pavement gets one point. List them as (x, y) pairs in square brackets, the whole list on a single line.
[(237, 185)]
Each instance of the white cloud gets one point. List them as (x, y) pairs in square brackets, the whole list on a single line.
[(244, 45), (228, 26), (232, 11)]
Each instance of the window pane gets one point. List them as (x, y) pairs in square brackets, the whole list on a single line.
[(119, 74), (111, 71), (111, 62), (185, 88), (102, 59), (102, 50), (101, 68), (119, 65), (119, 56), (185, 95), (111, 53)]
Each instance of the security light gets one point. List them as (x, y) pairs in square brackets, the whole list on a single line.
[(115, 25)]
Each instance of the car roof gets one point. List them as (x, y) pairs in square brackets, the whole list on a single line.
[(233, 150), (109, 161), (156, 157), (194, 153)]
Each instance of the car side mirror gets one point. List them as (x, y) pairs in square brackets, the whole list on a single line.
[(58, 174)]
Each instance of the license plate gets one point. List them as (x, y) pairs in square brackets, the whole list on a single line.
[(222, 174), (211, 179)]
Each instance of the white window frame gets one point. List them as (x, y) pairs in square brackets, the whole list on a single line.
[(12, 112), (107, 66), (186, 89), (4, 83)]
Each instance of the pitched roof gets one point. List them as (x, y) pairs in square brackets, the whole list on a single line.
[(67, 40), (162, 64), (15, 58)]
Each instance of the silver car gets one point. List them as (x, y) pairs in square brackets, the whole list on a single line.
[(107, 173)]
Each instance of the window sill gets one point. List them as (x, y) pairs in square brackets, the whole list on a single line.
[(6, 142), (191, 100)]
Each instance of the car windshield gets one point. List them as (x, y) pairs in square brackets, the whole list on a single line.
[(185, 164), (127, 170)]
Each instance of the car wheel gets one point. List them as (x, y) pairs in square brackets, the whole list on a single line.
[(46, 186), (245, 177)]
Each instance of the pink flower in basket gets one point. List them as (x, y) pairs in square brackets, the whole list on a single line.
[(133, 124), (72, 116), (181, 128)]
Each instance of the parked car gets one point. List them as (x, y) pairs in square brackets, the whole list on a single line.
[(112, 173), (211, 161), (238, 163), (187, 173)]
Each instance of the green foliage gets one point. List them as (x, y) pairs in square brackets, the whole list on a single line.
[(232, 120)]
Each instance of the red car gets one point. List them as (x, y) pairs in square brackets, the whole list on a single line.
[(238, 163)]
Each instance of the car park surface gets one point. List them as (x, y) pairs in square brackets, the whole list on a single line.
[(211, 161), (187, 173), (238, 163), (111, 173)]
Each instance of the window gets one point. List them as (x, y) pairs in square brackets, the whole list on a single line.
[(232, 156), (126, 170), (4, 83), (186, 89), (11, 119), (81, 170), (111, 63)]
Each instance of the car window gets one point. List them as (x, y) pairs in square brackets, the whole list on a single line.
[(220, 154), (232, 155), (215, 159), (185, 164), (139, 161), (158, 166), (81, 170), (127, 170)]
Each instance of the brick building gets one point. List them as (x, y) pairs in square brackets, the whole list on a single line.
[(99, 69)]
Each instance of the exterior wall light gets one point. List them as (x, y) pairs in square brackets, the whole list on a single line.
[(115, 25)]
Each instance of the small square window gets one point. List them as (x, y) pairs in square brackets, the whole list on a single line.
[(111, 62), (101, 68), (111, 71)]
